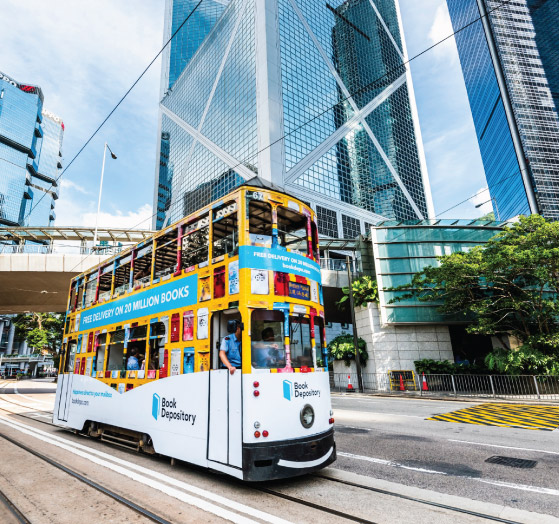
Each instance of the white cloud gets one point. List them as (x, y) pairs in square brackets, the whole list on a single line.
[(70, 184), (441, 29), (482, 197)]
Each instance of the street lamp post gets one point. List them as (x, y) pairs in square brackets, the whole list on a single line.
[(355, 336), (101, 189), (496, 207)]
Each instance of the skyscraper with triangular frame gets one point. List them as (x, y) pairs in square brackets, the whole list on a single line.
[(312, 96)]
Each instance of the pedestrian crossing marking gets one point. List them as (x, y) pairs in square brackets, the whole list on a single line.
[(523, 416)]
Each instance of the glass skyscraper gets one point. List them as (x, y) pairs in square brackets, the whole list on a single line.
[(311, 96), (510, 62), (30, 155)]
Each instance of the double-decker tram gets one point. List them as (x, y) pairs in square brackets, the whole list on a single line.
[(141, 362)]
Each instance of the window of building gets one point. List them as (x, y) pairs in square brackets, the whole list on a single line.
[(292, 229), (267, 339), (351, 227), (327, 222), (260, 223), (225, 234), (195, 242)]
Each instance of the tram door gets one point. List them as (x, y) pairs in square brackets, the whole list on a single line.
[(65, 381), (225, 428)]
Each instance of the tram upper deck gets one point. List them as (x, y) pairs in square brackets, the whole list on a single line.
[(251, 256)]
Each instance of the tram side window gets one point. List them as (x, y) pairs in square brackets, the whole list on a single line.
[(115, 353), (166, 254), (80, 296), (260, 223), (72, 300), (72, 348), (142, 266), (300, 342), (195, 242), (314, 237), (292, 229), (225, 234), (105, 283), (100, 352), (137, 342), (122, 275), (156, 345), (90, 289), (320, 347), (267, 339)]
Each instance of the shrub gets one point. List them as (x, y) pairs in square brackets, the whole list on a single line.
[(343, 348), (365, 290)]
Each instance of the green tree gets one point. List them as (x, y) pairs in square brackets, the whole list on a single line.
[(509, 286), (343, 348), (365, 290), (42, 331)]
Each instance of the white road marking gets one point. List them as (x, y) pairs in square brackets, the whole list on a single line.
[(116, 464), (523, 487), (388, 463), (504, 447)]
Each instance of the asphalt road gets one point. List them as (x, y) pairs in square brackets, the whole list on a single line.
[(390, 438)]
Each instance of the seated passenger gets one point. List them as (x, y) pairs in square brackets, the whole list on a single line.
[(132, 363), (266, 353)]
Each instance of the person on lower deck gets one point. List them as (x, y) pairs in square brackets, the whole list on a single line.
[(132, 362), (230, 350)]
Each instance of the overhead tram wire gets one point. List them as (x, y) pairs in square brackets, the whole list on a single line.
[(322, 113), (114, 108)]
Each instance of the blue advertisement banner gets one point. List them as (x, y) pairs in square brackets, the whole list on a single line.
[(175, 294), (278, 260)]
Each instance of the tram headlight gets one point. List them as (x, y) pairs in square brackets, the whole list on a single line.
[(307, 416)]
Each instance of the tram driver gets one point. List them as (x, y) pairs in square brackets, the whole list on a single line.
[(267, 352), (230, 349)]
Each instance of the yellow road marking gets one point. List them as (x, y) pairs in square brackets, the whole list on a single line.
[(505, 415)]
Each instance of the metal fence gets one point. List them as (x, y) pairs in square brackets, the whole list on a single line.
[(511, 387)]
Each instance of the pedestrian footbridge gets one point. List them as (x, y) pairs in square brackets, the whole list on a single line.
[(37, 264)]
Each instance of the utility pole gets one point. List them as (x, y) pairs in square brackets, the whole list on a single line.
[(355, 337)]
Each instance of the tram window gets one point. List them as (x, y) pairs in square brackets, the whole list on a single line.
[(314, 237), (319, 341), (195, 242), (156, 345), (267, 339), (292, 229), (90, 289), (100, 352), (300, 342), (260, 223), (225, 234), (166, 254), (142, 266), (72, 301), (115, 353), (122, 275), (105, 283), (72, 348), (80, 296)]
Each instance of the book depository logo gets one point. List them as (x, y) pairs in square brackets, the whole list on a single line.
[(298, 390), (167, 409), (155, 405), (287, 389)]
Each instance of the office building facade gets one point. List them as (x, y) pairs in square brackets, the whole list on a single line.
[(30, 155), (510, 61), (312, 97)]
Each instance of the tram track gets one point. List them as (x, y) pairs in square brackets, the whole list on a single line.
[(13, 509), (98, 487)]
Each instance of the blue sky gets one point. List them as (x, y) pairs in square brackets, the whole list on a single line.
[(86, 55)]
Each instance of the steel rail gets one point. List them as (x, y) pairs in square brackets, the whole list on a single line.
[(115, 496), (13, 509), (421, 501)]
